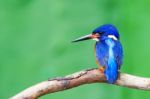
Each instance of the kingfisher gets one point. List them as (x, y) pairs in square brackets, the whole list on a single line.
[(108, 50)]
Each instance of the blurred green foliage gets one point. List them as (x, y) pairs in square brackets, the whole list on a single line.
[(35, 43)]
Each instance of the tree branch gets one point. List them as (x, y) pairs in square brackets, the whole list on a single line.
[(80, 78)]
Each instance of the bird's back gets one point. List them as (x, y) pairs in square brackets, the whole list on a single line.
[(109, 55)]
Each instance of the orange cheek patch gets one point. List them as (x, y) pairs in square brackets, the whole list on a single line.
[(95, 35)]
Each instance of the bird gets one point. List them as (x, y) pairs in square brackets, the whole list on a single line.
[(108, 50)]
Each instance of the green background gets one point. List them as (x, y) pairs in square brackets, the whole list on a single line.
[(35, 43)]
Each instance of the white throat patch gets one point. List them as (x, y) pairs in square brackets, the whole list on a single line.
[(96, 39), (113, 37)]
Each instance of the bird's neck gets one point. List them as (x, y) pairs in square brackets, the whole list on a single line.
[(110, 42), (107, 41), (109, 45), (106, 37)]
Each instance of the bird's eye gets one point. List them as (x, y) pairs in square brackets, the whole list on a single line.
[(96, 34), (102, 32)]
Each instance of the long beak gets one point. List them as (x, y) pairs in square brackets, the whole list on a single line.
[(86, 37)]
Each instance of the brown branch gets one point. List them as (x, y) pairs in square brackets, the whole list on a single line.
[(80, 78)]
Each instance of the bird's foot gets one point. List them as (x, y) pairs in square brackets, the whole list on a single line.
[(101, 69)]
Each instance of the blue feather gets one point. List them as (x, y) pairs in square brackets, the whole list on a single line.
[(111, 71), (108, 49), (109, 54)]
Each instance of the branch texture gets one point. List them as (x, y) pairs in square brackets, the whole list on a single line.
[(80, 78)]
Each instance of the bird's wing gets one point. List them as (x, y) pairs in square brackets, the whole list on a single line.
[(101, 53), (118, 53)]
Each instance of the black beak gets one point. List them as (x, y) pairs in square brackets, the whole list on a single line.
[(86, 37)]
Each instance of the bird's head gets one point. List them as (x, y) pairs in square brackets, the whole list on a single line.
[(100, 33)]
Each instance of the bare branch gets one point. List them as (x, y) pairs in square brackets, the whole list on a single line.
[(80, 78)]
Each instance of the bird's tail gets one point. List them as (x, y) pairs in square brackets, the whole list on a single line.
[(111, 71)]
